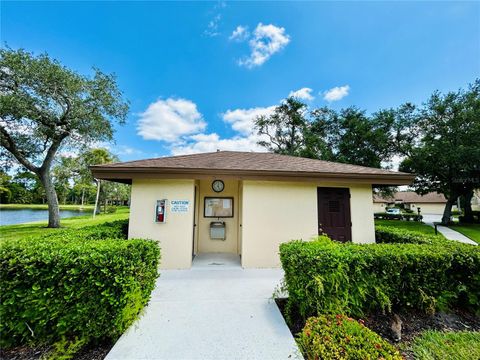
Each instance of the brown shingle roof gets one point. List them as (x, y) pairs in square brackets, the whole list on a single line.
[(234, 162), (412, 197)]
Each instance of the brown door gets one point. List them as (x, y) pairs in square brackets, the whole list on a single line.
[(334, 213)]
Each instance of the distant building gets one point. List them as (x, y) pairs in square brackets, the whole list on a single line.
[(476, 201), (431, 203)]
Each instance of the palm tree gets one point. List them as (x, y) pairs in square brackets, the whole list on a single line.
[(95, 157)]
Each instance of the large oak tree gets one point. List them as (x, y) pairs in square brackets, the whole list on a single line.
[(45, 106), (347, 136), (284, 129), (441, 142)]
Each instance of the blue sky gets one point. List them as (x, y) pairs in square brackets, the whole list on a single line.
[(197, 73)]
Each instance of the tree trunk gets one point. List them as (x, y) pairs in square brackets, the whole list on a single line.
[(52, 199), (467, 208), (96, 198), (83, 195), (447, 213)]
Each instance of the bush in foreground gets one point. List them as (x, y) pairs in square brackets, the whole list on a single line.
[(323, 276), (64, 286), (341, 337)]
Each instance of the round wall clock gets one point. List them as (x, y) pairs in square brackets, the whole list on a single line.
[(218, 185)]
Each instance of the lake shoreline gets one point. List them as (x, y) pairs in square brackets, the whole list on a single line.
[(18, 231), (26, 213), (45, 207)]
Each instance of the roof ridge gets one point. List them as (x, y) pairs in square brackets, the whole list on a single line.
[(257, 160), (313, 159), (159, 157)]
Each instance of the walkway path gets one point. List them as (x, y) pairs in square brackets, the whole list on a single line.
[(450, 234), (216, 310)]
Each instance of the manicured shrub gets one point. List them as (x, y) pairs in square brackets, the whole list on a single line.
[(323, 276), (404, 216), (111, 210), (341, 337), (392, 235), (64, 286), (111, 230)]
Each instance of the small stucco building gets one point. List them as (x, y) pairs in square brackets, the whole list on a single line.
[(429, 204), (246, 203)]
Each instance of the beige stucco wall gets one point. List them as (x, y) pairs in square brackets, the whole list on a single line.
[(268, 214), (363, 226), (175, 236), (276, 212), (230, 244), (379, 207), (476, 201), (428, 208)]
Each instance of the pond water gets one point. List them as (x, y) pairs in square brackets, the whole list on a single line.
[(19, 216)]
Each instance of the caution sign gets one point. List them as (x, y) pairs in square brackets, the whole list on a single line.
[(179, 206)]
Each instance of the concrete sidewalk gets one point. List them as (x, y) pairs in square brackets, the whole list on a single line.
[(449, 234), (216, 310)]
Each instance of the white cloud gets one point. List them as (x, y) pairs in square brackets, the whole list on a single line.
[(336, 93), (73, 153), (265, 41), (242, 120), (394, 162), (178, 122), (241, 33), (213, 24), (302, 94), (126, 150), (212, 27), (169, 120), (212, 142)]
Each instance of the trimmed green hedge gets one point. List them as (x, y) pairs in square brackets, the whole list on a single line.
[(323, 276), (74, 285), (404, 216), (341, 337), (111, 230), (392, 235)]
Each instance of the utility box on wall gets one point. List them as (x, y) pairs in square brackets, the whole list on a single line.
[(161, 211), (217, 230)]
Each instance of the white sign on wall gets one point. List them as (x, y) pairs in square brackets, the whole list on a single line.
[(179, 206)]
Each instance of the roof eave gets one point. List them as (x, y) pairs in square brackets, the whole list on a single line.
[(125, 175)]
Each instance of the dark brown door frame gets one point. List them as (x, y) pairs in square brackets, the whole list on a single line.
[(334, 216), (194, 219)]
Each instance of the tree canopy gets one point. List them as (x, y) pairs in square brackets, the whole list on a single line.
[(71, 178), (45, 106), (284, 128), (443, 148), (439, 140), (347, 136)]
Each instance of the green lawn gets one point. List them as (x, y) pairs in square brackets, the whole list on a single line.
[(38, 228), (45, 206), (408, 225), (433, 345), (471, 231)]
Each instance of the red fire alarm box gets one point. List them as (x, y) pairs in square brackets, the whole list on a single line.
[(161, 211)]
